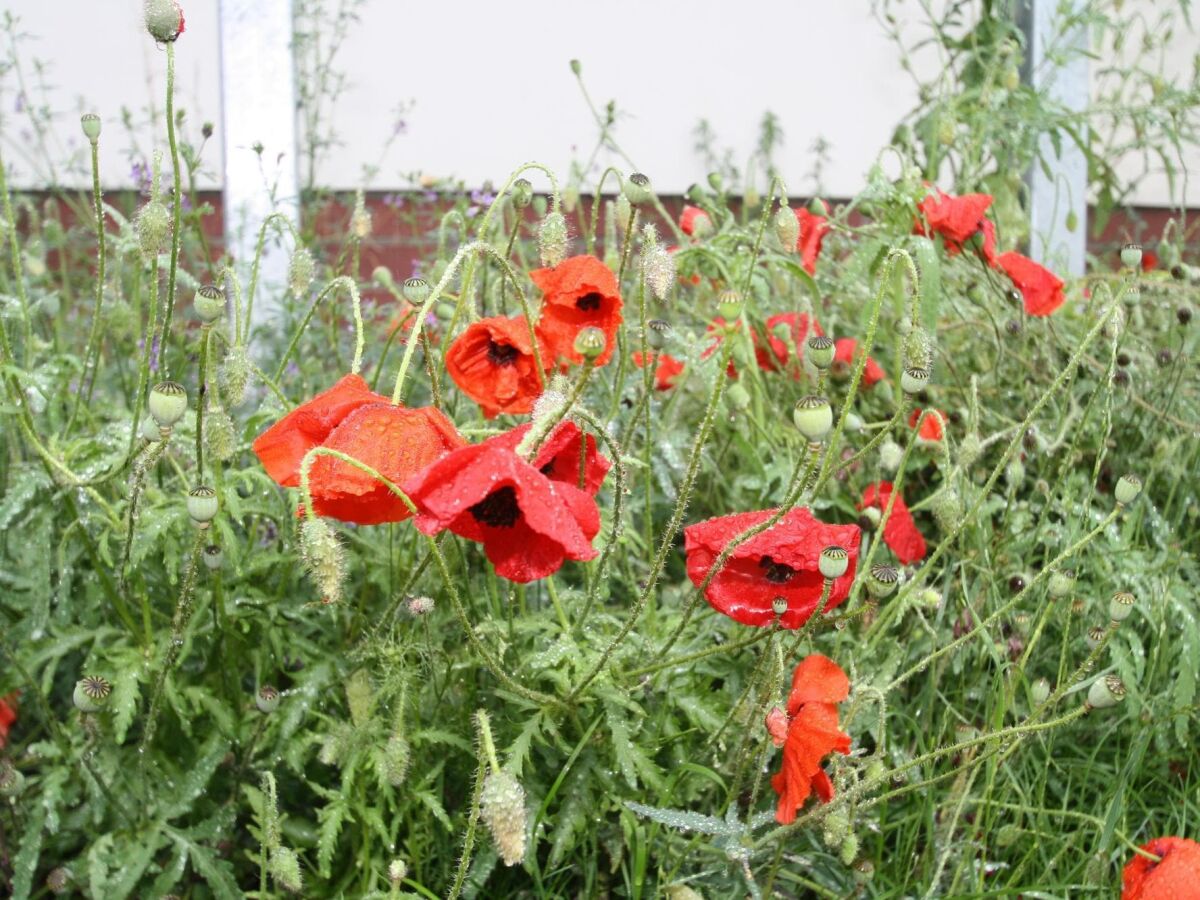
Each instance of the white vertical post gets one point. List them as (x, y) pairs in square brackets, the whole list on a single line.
[(258, 103), (1060, 196)]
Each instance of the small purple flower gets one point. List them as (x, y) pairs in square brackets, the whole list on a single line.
[(431, 196), (482, 196), (154, 354), (430, 320)]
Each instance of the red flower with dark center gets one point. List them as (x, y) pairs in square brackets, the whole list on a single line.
[(578, 292), (780, 562), (956, 219), (8, 715), (492, 362), (528, 524), (689, 217), (281, 447), (933, 428), (395, 441), (1040, 288), (844, 362), (808, 732), (558, 457), (900, 532), (1175, 877), (813, 229), (666, 368)]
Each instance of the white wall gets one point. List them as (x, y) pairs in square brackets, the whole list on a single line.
[(492, 88)]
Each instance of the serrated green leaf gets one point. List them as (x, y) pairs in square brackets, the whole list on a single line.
[(217, 873), (29, 851)]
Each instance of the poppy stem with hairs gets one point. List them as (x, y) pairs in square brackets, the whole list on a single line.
[(596, 197), (94, 334), (532, 442), (176, 211), (241, 326), (359, 340)]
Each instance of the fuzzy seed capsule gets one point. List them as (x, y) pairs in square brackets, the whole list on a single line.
[(833, 562), (1127, 489), (637, 189), (1039, 691), (658, 333), (522, 193), (168, 402), (590, 342), (397, 871), (91, 693), (914, 380), (729, 305), (813, 417), (820, 351), (1095, 636), (416, 290), (1131, 256), (90, 123), (1120, 607), (209, 303), (1105, 692), (213, 557), (202, 505), (267, 699)]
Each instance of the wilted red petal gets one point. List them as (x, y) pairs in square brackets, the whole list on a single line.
[(817, 679), (900, 532), (1175, 877), (578, 292), (843, 354), (932, 428), (666, 368), (812, 735), (1041, 289), (492, 362), (558, 457)]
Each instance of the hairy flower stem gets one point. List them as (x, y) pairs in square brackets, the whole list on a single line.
[(201, 402), (241, 325), (342, 281), (544, 427), (86, 385), (143, 464), (597, 197), (148, 338), (597, 573), (464, 860), (176, 201)]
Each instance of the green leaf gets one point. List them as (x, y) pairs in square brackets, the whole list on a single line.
[(1183, 694), (218, 873), (332, 816), (24, 864)]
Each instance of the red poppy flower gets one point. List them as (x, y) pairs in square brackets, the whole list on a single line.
[(932, 429), (780, 562), (900, 532), (1041, 289), (579, 292), (988, 245), (558, 457), (813, 229), (527, 523), (8, 715), (689, 220), (666, 368), (492, 362), (843, 361), (395, 441), (808, 732), (956, 219), (1149, 260), (1175, 877), (281, 447)]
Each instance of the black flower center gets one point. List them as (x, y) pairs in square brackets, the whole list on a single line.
[(589, 302), (498, 509), (775, 572), (502, 354)]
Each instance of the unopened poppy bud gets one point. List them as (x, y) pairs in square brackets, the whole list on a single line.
[(90, 123), (882, 580), (300, 272), (552, 240), (570, 198), (1014, 472), (590, 342), (420, 606), (164, 20), (360, 218), (658, 265), (91, 693), (502, 807), (522, 193), (153, 224), (1095, 636), (623, 211), (1039, 691), (1120, 607), (658, 333), (576, 68), (813, 417), (890, 455), (1007, 835), (284, 866), (1128, 488), (1131, 256), (779, 605), (787, 227), (914, 380), (202, 505), (395, 760), (836, 824), (737, 397), (323, 556), (58, 882), (729, 305), (397, 871), (637, 189), (947, 509), (854, 423), (220, 433), (849, 849), (929, 598), (820, 351), (209, 303), (833, 562), (213, 557), (681, 892), (12, 782), (1062, 583), (1105, 692), (267, 699), (235, 374), (167, 403)]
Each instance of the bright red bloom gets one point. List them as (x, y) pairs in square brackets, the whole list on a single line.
[(666, 368), (688, 219), (808, 732), (8, 715), (1176, 877), (956, 219), (780, 562), (558, 457), (843, 358), (932, 429), (1041, 289), (396, 442), (492, 362), (281, 447), (578, 292), (527, 523), (900, 532), (813, 229), (1149, 260)]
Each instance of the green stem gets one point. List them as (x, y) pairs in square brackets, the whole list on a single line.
[(176, 199)]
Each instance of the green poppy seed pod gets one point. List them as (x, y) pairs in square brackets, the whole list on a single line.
[(914, 380), (284, 866), (168, 402), (58, 882), (1062, 583), (658, 333), (552, 240), (1128, 488), (833, 562), (90, 123), (637, 189), (849, 849), (1105, 692), (590, 342), (1095, 636), (164, 20), (1131, 294), (737, 397), (213, 557), (882, 580), (397, 872), (1131, 256), (300, 272), (209, 303), (267, 699), (1120, 607), (1007, 835), (779, 605), (153, 224), (444, 310), (813, 417), (864, 871), (416, 290), (890, 455), (729, 305), (91, 693), (576, 68), (787, 227), (12, 782), (1020, 623), (1039, 691), (522, 193), (202, 505), (502, 807), (820, 351)]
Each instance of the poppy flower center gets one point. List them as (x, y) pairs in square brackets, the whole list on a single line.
[(501, 354), (775, 572), (589, 302), (498, 509)]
